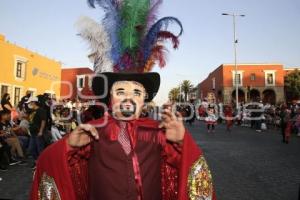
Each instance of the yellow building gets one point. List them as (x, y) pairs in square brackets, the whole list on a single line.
[(22, 70)]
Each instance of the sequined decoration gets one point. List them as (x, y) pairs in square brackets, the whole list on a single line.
[(200, 185), (169, 182), (48, 189)]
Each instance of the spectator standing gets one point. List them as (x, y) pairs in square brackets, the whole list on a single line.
[(22, 106), (37, 128)]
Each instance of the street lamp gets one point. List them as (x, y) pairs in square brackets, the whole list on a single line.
[(235, 41)]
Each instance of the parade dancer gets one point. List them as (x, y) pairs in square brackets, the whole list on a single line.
[(289, 126), (228, 117), (211, 119), (123, 156)]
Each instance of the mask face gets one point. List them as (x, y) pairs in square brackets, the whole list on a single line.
[(127, 99)]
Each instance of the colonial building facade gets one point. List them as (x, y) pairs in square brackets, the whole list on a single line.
[(256, 82), (75, 81), (24, 70)]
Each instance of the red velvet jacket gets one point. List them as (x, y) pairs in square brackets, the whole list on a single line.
[(62, 172)]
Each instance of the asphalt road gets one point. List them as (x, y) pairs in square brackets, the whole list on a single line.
[(246, 165)]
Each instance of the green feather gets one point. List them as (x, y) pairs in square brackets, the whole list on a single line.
[(134, 19)]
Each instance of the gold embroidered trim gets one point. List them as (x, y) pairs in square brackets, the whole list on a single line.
[(48, 189), (200, 185)]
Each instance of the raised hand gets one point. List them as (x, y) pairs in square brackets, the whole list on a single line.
[(173, 124), (82, 135)]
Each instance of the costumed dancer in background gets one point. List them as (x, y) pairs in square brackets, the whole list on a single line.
[(211, 119), (284, 112), (228, 117), (289, 126), (121, 155), (297, 122)]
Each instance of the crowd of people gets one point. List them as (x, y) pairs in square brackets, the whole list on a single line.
[(39, 121), (256, 115), (36, 122)]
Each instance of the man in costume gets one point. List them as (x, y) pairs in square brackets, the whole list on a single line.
[(129, 157), (122, 156)]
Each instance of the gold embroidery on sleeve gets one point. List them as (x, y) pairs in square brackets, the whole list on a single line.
[(48, 189), (200, 185)]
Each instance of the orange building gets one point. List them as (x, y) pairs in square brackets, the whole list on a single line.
[(24, 70), (255, 82), (74, 80)]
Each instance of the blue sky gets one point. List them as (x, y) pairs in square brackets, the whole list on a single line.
[(270, 33)]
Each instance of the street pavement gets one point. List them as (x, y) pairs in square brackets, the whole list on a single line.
[(245, 165)]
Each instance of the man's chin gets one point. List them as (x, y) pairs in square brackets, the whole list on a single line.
[(125, 118), (128, 114)]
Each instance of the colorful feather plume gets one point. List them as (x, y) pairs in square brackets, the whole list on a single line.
[(134, 16), (152, 15), (98, 41), (135, 35)]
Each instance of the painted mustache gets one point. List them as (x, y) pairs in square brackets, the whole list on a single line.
[(128, 107)]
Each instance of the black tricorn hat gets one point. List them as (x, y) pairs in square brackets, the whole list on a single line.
[(103, 82)]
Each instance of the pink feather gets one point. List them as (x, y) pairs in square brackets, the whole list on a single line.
[(164, 35)]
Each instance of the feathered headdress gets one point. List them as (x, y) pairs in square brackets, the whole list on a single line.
[(130, 37)]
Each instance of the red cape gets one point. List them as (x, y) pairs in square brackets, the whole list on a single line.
[(193, 179)]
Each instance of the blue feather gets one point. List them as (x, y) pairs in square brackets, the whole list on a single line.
[(112, 24), (91, 3), (152, 35)]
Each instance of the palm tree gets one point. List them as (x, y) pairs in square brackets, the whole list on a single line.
[(186, 88), (174, 94)]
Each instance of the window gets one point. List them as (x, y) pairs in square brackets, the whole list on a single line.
[(252, 77), (270, 80), (17, 95), (19, 70), (270, 77), (81, 82), (4, 89), (213, 83), (237, 78)]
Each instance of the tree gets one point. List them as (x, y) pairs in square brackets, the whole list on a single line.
[(292, 85), (186, 88), (174, 94)]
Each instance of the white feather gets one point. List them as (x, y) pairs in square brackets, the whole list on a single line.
[(99, 43)]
